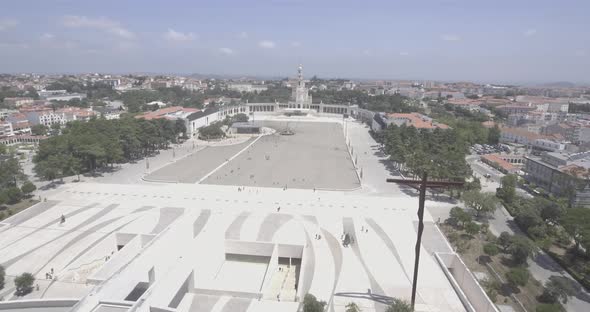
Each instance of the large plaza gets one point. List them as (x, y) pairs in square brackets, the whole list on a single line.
[(252, 222)]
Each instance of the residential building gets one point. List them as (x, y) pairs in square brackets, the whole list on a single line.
[(561, 174), (5, 112), (65, 97), (18, 101), (518, 135), (6, 129), (20, 123)]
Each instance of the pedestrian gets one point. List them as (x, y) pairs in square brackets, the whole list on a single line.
[(279, 209)]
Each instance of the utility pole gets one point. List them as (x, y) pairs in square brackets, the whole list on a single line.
[(422, 185)]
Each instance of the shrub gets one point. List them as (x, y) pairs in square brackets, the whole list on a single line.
[(311, 304), (491, 249), (352, 307), (556, 290), (504, 240), (518, 276), (28, 188), (537, 231), (546, 307), (399, 305), (24, 284)]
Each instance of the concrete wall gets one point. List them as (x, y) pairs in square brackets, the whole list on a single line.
[(187, 286), (471, 294), (38, 303), (307, 269), (229, 293), (119, 258), (271, 268), (249, 248), (290, 251), (161, 309)]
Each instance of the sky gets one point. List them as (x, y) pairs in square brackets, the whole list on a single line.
[(516, 41)]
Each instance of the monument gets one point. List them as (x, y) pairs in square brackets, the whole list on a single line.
[(300, 97)]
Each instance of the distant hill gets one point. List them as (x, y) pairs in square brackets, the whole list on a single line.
[(558, 84)]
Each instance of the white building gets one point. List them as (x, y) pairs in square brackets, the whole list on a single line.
[(6, 129), (247, 87)]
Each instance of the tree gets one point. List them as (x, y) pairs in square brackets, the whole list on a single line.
[(28, 188), (2, 276), (55, 128), (482, 203), (311, 304), (459, 216), (557, 289), (352, 307), (520, 249), (518, 276), (399, 305), (504, 240), (494, 135), (13, 195), (39, 129), (472, 228), (241, 117), (576, 223), (527, 217), (24, 284), (551, 211), (508, 189), (3, 149), (490, 249)]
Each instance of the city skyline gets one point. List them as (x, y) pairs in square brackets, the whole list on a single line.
[(503, 42)]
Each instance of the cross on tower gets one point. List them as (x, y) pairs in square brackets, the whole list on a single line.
[(422, 185)]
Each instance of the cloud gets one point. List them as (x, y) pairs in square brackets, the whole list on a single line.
[(226, 51), (367, 52), (243, 35), (295, 44), (267, 44), (530, 32), (450, 37), (47, 37), (100, 23), (7, 23), (404, 53), (580, 53), (173, 35)]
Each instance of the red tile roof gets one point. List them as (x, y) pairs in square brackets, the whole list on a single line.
[(418, 121), (493, 158)]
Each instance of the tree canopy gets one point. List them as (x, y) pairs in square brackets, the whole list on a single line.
[(439, 152), (86, 146)]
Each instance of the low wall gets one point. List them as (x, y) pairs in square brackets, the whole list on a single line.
[(161, 309), (229, 293), (248, 248), (38, 303), (471, 294), (290, 251)]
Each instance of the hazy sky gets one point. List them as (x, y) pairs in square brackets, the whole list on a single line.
[(495, 41)]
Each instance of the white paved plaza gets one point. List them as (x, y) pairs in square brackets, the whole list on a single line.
[(241, 246)]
